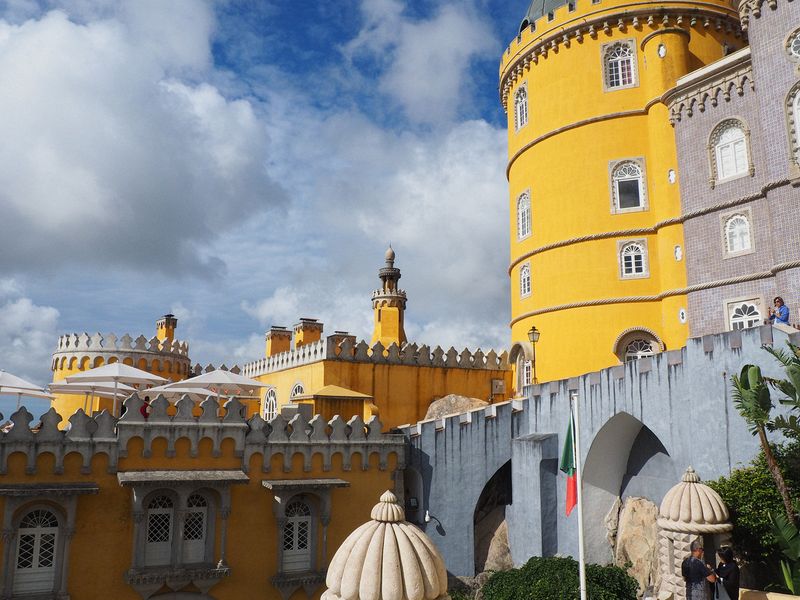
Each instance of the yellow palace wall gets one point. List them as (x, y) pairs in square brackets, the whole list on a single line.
[(100, 552), (562, 157)]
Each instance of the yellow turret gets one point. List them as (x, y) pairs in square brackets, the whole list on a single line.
[(165, 327), (389, 304), (596, 240)]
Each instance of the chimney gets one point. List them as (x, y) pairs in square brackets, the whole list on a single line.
[(307, 331), (165, 327), (279, 339)]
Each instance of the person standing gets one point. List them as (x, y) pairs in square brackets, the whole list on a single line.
[(696, 573), (781, 312), (728, 573)]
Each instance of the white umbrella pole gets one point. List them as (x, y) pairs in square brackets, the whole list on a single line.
[(115, 397), (579, 481), (19, 399)]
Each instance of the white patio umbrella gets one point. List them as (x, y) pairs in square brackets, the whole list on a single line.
[(118, 373), (222, 382), (11, 384), (170, 391), (104, 389)]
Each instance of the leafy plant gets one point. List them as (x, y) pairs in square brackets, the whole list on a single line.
[(550, 578), (788, 539)]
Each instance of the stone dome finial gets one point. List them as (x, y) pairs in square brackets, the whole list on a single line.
[(692, 506), (387, 558), (389, 256)]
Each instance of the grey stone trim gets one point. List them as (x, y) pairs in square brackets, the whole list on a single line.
[(752, 8), (702, 14), (303, 484), (28, 490), (148, 581), (655, 228), (177, 477)]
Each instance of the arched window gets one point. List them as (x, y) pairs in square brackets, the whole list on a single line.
[(158, 546), (35, 565), (627, 186), (195, 528), (525, 280), (633, 260), (524, 372), (523, 216), (297, 390), (619, 66), (520, 108), (793, 114), (729, 150), (737, 234), (297, 541), (270, 405), (745, 315), (638, 348)]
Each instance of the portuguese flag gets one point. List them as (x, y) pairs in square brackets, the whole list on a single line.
[(568, 466)]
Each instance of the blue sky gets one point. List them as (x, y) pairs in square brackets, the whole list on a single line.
[(242, 164)]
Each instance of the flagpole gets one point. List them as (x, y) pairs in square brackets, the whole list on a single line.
[(573, 406)]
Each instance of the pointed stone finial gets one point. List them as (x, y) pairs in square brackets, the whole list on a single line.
[(690, 476), (389, 256), (388, 510)]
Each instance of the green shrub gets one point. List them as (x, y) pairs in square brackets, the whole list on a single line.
[(557, 579)]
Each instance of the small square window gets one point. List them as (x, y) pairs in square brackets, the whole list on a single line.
[(551, 16), (571, 7)]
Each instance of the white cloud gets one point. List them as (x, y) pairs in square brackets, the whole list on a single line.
[(112, 154), (426, 63)]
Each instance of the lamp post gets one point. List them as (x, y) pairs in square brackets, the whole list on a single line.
[(533, 336)]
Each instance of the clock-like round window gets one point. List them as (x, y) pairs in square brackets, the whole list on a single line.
[(793, 45)]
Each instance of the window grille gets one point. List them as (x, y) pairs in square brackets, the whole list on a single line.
[(619, 66), (195, 529), (638, 348), (35, 566), (297, 544), (159, 531)]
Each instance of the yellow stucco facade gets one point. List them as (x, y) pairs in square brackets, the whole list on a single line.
[(585, 117)]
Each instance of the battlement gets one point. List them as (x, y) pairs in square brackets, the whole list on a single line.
[(334, 348), (105, 434), (75, 343)]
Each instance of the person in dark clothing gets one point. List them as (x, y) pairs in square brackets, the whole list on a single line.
[(728, 572), (696, 573)]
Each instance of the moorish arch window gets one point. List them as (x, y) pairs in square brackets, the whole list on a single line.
[(37, 542), (520, 108), (737, 234), (523, 215), (297, 543), (639, 348), (270, 405), (729, 151), (633, 260), (627, 186), (297, 390), (744, 314), (619, 65), (525, 280), (633, 344)]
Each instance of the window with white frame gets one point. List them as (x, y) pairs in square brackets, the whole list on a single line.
[(270, 405), (297, 543), (639, 348), (793, 110), (523, 215), (525, 280), (744, 314), (524, 372), (619, 65), (627, 186), (297, 390), (737, 234), (729, 150), (35, 564), (633, 260), (158, 545), (520, 108), (195, 529)]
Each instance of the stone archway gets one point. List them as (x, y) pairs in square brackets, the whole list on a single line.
[(625, 460), (490, 530)]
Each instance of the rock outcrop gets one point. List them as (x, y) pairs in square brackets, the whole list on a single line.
[(452, 404)]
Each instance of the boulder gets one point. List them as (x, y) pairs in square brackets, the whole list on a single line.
[(637, 542), (452, 404)]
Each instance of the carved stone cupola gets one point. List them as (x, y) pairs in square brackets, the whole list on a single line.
[(389, 305)]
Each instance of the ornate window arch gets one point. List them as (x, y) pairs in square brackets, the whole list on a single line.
[(793, 118), (35, 566), (160, 530), (628, 186), (520, 107), (297, 537), (523, 215), (633, 263), (525, 280), (729, 151), (744, 314), (635, 343), (737, 234), (270, 404), (619, 65), (297, 390)]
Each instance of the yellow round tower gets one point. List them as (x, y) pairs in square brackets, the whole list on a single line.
[(161, 355), (597, 261)]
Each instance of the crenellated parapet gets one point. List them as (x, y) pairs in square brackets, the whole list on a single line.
[(81, 351), (103, 434), (346, 349), (752, 8)]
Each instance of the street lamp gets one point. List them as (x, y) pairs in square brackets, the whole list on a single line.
[(533, 336)]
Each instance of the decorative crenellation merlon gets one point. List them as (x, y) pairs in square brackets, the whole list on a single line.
[(105, 434), (336, 348), (579, 27), (75, 343), (752, 8)]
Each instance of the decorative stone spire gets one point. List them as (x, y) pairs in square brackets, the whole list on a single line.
[(694, 507), (387, 558), (389, 304)]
